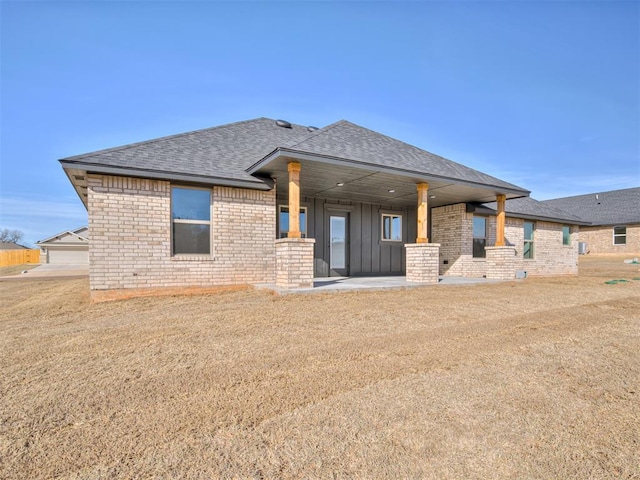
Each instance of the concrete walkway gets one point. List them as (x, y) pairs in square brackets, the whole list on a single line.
[(333, 284), (49, 271)]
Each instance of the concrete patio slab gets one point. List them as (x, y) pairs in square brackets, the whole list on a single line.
[(339, 284)]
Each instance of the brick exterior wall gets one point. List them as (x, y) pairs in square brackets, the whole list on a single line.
[(501, 263), (600, 240), (422, 262), (452, 227), (294, 263), (130, 237)]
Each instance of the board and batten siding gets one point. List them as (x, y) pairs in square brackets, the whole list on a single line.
[(368, 253)]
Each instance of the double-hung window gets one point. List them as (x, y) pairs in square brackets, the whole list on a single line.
[(190, 221), (566, 235), (479, 237), (620, 235), (391, 227), (283, 222), (529, 229)]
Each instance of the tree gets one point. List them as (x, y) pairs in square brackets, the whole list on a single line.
[(13, 236)]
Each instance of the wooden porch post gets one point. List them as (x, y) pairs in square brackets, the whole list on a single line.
[(423, 189), (294, 200), (501, 199)]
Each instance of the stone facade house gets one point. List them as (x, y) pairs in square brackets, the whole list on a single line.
[(613, 216), (265, 201)]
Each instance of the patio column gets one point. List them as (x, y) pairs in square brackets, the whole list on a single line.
[(500, 220), (294, 200), (423, 191)]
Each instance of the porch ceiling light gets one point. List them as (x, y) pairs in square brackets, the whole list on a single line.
[(432, 196), (340, 184), (391, 190)]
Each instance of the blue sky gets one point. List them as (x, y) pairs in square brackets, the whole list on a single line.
[(543, 94)]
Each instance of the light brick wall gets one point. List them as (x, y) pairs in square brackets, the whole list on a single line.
[(422, 262), (294, 263), (501, 263), (452, 227), (600, 240), (130, 237)]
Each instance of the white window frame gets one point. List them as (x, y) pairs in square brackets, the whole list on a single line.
[(619, 235), (192, 222), (391, 231), (303, 233)]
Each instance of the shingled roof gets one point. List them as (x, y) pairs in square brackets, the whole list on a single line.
[(218, 153), (230, 155), (530, 208), (346, 140), (615, 207)]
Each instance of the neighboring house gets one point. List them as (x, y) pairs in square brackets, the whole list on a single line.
[(265, 201), (614, 219), (70, 247), (12, 246)]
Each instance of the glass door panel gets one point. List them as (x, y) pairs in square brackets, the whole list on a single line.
[(338, 241)]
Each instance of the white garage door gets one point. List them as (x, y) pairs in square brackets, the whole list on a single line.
[(68, 256)]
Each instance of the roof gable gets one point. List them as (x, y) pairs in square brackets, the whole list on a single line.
[(347, 140), (78, 236)]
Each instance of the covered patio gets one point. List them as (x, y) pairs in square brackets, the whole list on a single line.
[(362, 220)]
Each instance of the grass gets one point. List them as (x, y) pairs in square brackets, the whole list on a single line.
[(16, 269), (531, 379)]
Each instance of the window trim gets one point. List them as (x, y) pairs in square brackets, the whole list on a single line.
[(306, 223), (391, 231), (619, 235), (568, 243), (531, 241), (191, 222), (474, 238)]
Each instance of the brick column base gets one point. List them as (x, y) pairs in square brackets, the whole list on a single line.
[(294, 263), (501, 263), (422, 262)]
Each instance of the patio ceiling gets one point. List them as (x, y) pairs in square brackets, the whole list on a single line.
[(366, 184)]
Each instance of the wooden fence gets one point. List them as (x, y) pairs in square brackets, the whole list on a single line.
[(18, 257)]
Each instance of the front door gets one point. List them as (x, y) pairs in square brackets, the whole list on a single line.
[(338, 246)]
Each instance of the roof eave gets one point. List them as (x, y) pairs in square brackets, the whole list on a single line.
[(258, 184), (484, 210), (297, 154)]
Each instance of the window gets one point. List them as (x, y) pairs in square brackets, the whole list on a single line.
[(566, 235), (479, 237), (284, 221), (391, 227), (620, 235), (529, 228), (191, 221)]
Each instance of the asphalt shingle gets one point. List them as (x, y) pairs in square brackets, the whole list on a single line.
[(346, 140), (615, 207), (227, 151), (528, 207)]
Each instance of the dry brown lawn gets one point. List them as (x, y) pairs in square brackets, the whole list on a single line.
[(531, 379), (16, 269)]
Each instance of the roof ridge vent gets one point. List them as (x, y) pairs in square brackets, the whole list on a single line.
[(311, 128), (283, 124)]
